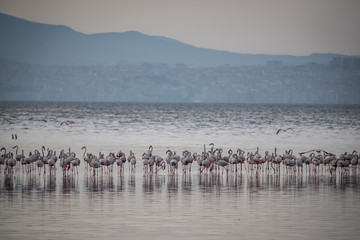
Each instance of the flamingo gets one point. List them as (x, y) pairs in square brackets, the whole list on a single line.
[(168, 158), (316, 150), (151, 163), (28, 160), (289, 160), (40, 164), (283, 130), (66, 122), (327, 159), (129, 158), (315, 159), (119, 163), (37, 120), (299, 163), (120, 160), (87, 157), (185, 160), (18, 157), (226, 158), (318, 160), (174, 162), (159, 163), (102, 161), (11, 162), (355, 160), (343, 161), (199, 159), (223, 162), (121, 155), (68, 158), (150, 150), (75, 163), (234, 161), (132, 161), (347, 161), (63, 156), (241, 157), (108, 160), (44, 158), (333, 163), (51, 163), (95, 164), (212, 158), (146, 162), (33, 158), (206, 163), (340, 161), (266, 159), (255, 159), (2, 156)]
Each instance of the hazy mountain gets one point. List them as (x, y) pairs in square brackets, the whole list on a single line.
[(36, 43), (44, 62)]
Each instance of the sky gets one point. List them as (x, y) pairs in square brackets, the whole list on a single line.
[(294, 27)]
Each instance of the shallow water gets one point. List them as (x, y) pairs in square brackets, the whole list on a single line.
[(245, 205)]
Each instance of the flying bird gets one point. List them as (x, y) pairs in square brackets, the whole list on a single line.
[(37, 120), (283, 130), (67, 122), (318, 151), (10, 121)]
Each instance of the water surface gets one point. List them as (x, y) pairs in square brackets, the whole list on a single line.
[(165, 206)]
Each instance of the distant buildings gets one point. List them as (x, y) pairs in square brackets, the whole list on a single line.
[(346, 63), (274, 64), (274, 82)]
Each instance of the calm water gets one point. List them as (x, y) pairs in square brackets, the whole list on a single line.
[(192, 206)]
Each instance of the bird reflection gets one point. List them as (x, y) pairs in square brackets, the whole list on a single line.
[(9, 182), (254, 183), (235, 182), (214, 182), (172, 184), (121, 183), (51, 183), (148, 185), (159, 181), (186, 182), (99, 183), (152, 183), (70, 184), (29, 182), (132, 182)]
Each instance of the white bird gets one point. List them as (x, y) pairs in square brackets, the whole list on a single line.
[(132, 161), (95, 164), (40, 164), (75, 163), (10, 162)]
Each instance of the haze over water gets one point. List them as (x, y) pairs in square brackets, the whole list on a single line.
[(193, 206)]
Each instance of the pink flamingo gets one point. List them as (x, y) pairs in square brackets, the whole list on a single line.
[(11, 162), (132, 161), (2, 157), (283, 130)]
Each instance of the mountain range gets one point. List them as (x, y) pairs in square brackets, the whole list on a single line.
[(42, 62), (37, 43)]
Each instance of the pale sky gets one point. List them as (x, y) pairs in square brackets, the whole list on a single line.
[(295, 27)]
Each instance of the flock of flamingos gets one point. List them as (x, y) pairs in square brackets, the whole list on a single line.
[(211, 160)]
